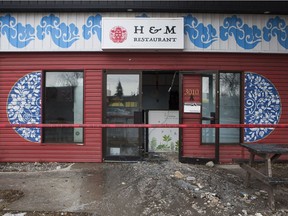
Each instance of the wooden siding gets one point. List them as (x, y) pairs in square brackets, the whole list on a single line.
[(15, 65), (192, 136), (93, 113)]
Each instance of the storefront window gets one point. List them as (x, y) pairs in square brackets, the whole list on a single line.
[(123, 104), (229, 113), (63, 104)]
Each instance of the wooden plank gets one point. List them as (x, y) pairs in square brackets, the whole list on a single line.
[(260, 176)]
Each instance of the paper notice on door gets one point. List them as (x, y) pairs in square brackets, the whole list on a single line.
[(192, 107)]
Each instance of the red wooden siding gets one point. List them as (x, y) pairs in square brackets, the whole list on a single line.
[(15, 65), (93, 113), (192, 136)]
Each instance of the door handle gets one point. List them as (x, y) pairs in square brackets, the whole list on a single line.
[(210, 118)]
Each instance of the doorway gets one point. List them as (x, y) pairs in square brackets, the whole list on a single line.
[(161, 106), (217, 94), (134, 97)]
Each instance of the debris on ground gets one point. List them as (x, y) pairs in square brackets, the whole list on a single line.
[(163, 187)]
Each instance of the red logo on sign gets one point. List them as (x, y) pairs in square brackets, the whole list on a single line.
[(118, 34)]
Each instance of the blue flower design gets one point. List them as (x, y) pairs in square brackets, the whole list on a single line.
[(276, 27), (93, 26), (200, 35), (24, 105), (18, 35), (245, 36), (262, 106), (62, 35)]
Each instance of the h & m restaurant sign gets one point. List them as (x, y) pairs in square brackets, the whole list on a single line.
[(142, 33)]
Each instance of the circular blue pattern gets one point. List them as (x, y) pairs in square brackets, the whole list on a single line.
[(262, 106), (24, 105)]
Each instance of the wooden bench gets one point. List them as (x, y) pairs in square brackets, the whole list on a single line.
[(269, 153)]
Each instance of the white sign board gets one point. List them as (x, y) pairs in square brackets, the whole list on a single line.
[(192, 107), (143, 33)]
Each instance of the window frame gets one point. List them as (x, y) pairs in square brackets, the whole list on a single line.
[(217, 107), (43, 102)]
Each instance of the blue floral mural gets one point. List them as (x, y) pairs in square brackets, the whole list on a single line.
[(200, 35), (93, 26), (245, 36), (63, 35), (17, 34), (276, 27), (24, 105), (262, 106)]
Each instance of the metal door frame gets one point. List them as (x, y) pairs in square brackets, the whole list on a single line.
[(216, 150), (104, 110)]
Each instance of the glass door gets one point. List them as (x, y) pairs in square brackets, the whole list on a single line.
[(229, 106), (123, 106), (199, 145), (219, 95), (209, 107), (223, 107)]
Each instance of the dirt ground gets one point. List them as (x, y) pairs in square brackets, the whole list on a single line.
[(160, 186)]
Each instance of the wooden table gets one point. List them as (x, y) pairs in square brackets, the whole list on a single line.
[(270, 153)]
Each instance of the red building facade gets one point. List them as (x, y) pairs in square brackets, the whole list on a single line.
[(226, 82)]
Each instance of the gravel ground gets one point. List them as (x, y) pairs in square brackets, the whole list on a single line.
[(164, 187), (32, 167), (9, 196)]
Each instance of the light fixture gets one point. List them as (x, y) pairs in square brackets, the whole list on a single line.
[(129, 10)]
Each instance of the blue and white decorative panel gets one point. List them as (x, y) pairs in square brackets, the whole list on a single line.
[(50, 32), (262, 106), (92, 27), (16, 33), (63, 35), (236, 33), (200, 35), (24, 105), (245, 36), (203, 32), (277, 28)]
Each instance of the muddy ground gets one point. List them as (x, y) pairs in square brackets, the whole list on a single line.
[(160, 186)]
